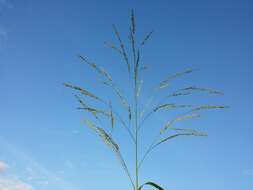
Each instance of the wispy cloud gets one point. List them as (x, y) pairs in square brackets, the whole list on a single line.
[(3, 166), (10, 183), (35, 168), (13, 184)]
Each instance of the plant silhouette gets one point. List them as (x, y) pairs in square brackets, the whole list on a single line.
[(136, 115)]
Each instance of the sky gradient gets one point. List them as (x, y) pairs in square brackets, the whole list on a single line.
[(44, 144)]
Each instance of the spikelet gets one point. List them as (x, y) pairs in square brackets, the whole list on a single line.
[(167, 81), (170, 106), (107, 139), (136, 67), (118, 93), (111, 115), (146, 38), (133, 22), (207, 107), (191, 89), (189, 131), (83, 91), (132, 30), (122, 46), (182, 118), (98, 69), (112, 46), (79, 99)]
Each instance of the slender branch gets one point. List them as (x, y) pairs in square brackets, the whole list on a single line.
[(150, 113), (119, 118), (123, 163), (150, 148), (136, 137), (125, 126)]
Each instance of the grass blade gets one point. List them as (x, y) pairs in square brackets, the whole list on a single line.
[(151, 184)]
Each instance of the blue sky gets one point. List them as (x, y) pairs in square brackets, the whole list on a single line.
[(44, 144)]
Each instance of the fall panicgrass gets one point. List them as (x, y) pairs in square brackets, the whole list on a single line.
[(137, 114)]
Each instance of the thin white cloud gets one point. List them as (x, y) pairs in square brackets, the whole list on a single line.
[(7, 183), (13, 184), (35, 167), (3, 166)]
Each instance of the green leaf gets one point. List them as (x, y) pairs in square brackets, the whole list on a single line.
[(151, 184)]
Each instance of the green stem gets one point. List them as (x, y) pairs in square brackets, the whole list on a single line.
[(136, 136)]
